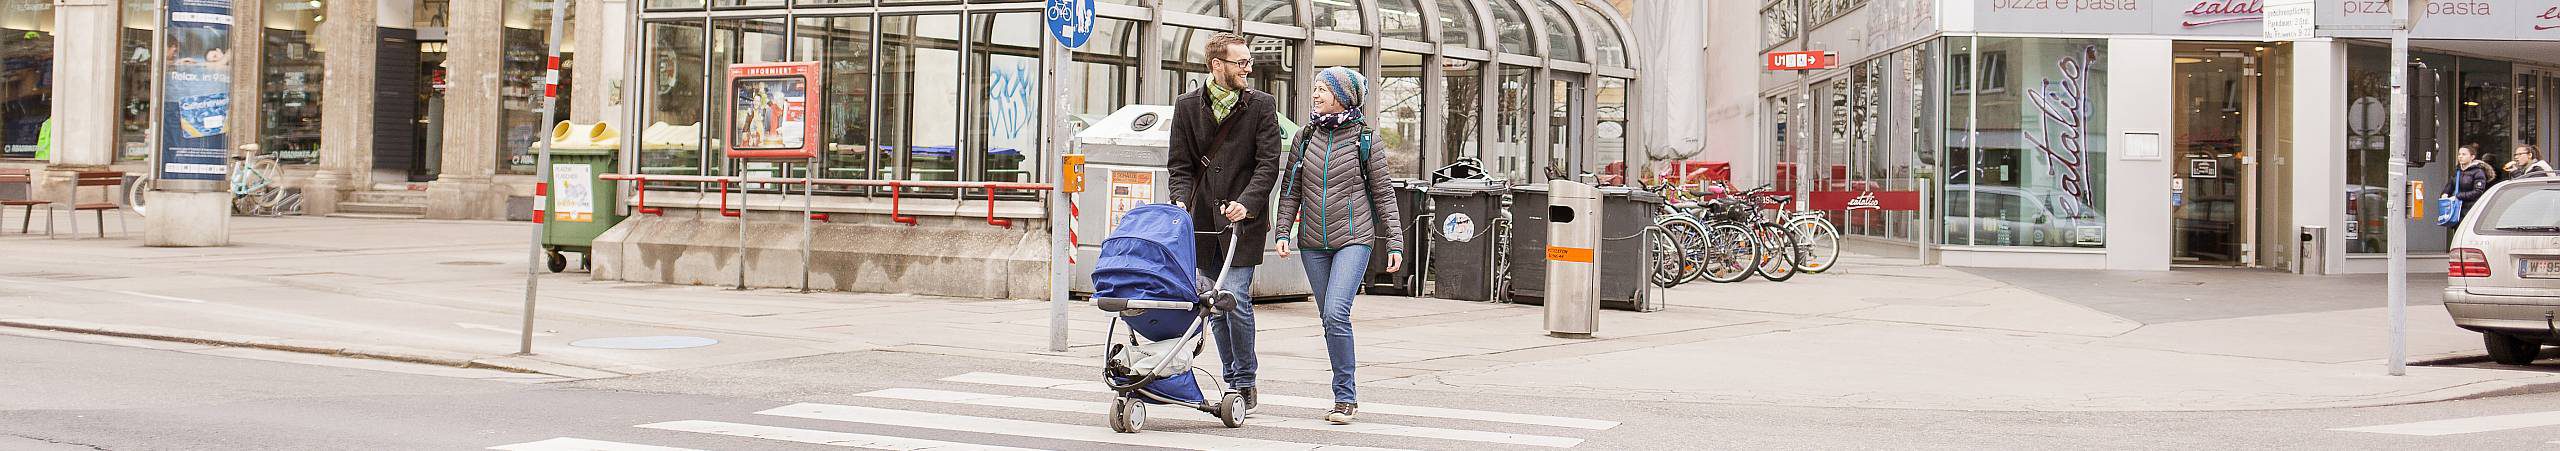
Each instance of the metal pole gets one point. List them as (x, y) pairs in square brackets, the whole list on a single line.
[(808, 207), (1053, 119), (2398, 233), (542, 170), (741, 165)]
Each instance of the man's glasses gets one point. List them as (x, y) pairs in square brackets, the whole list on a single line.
[(1239, 61)]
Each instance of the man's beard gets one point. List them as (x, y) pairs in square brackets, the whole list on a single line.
[(1234, 82)]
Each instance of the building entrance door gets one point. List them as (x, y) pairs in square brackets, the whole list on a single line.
[(2212, 188)]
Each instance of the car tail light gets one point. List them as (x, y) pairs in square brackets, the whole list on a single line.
[(2467, 262)]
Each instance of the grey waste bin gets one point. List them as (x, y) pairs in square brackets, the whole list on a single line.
[(1463, 237), (1528, 269), (1413, 200)]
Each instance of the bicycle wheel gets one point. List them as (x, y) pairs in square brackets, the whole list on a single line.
[(1667, 257), (270, 201), (1731, 253), (1777, 252), (1817, 244), (1690, 235), (134, 195)]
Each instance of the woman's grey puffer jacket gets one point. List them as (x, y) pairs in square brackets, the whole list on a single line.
[(1324, 196)]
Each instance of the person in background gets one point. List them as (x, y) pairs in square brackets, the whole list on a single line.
[(2470, 177), (1224, 153), (44, 142), (2526, 160), (1334, 206)]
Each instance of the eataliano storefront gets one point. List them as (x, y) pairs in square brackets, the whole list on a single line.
[(2138, 136), (946, 91)]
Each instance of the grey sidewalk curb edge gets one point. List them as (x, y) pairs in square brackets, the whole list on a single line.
[(281, 345)]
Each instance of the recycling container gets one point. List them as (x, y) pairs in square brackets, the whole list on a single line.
[(1463, 238)]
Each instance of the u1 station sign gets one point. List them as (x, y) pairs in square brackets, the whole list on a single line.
[(1805, 60)]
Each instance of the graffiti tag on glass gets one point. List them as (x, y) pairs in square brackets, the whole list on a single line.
[(2062, 137)]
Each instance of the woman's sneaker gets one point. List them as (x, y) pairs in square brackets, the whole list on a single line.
[(1342, 413)]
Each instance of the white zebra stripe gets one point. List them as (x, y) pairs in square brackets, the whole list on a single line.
[(1059, 405), (1011, 380), (983, 425)]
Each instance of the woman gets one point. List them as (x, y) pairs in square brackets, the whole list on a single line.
[(1334, 204), (2471, 177)]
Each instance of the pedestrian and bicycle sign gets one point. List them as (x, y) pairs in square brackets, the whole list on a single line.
[(1071, 21)]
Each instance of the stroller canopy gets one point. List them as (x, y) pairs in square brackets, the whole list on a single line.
[(1149, 257)]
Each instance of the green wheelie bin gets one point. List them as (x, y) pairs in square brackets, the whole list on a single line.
[(579, 205)]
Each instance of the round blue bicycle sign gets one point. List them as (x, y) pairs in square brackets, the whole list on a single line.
[(1071, 21)]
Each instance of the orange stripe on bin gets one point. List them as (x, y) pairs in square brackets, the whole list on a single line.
[(1569, 254)]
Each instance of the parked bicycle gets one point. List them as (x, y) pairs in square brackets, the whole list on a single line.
[(253, 187)]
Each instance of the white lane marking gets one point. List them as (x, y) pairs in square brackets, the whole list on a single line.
[(155, 296), (1094, 433), (829, 438), (580, 444), (477, 326), (1304, 402), (2464, 425), (1178, 413)]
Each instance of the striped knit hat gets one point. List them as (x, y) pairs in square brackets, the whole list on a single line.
[(1348, 86)]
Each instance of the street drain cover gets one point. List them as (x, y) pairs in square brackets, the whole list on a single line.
[(470, 263), (645, 343)]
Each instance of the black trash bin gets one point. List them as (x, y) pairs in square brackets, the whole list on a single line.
[(1528, 268), (1463, 237), (1413, 200)]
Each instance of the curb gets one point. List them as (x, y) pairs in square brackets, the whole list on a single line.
[(277, 344)]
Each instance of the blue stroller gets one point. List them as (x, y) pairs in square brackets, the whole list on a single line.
[(1146, 275)]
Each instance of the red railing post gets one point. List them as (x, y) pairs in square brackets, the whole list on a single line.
[(724, 201), (991, 210), (895, 203), (641, 184)]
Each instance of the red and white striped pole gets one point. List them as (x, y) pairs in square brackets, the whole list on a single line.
[(542, 166)]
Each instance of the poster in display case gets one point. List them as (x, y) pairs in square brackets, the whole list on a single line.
[(770, 113)]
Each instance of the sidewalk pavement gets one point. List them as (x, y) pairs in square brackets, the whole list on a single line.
[(1873, 333)]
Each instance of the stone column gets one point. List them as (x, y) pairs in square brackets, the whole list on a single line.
[(248, 74), (346, 107), (84, 94), (474, 36), (599, 36)]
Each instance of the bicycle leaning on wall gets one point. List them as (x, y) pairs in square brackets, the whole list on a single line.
[(253, 186)]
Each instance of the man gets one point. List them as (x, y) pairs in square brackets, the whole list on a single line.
[(1225, 155), (2526, 161)]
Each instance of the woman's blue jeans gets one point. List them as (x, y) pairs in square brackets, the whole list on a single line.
[(1335, 277)]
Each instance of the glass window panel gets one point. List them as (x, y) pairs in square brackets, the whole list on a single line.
[(1272, 11), (26, 84), (1185, 67), (527, 40), (1274, 61), (1609, 129), (2485, 110), (740, 41), (1004, 86), (672, 142), (1398, 112), (1458, 24), (1779, 23), (2036, 178), (1564, 42), (289, 94), (2528, 110), (1955, 223), (747, 3), (842, 46), (1464, 85), (920, 80), (1511, 132), (1216, 8), (1107, 67), (1340, 15), (1609, 49), (665, 4), (133, 91), (1511, 27), (1563, 136), (1398, 19)]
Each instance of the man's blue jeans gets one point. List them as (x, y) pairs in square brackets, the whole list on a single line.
[(1335, 277), (1234, 330)]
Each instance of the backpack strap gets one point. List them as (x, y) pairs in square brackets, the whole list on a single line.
[(1368, 177)]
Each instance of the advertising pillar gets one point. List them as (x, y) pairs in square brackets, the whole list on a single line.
[(190, 205), (1573, 274)]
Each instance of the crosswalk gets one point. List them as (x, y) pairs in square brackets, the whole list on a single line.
[(1178, 428), (2468, 425)]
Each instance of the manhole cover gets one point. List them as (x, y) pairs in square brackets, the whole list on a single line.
[(643, 343), (471, 263)]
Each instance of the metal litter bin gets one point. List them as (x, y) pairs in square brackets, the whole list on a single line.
[(577, 206), (1626, 212), (1528, 276), (1463, 238), (1413, 200)]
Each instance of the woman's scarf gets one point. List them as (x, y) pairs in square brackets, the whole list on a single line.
[(1348, 88)]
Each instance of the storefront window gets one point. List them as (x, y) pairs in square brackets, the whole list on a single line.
[(1464, 84), (1399, 19), (1510, 158), (2485, 109), (1458, 24), (920, 83), (2035, 178), (1342, 16), (672, 143), (1398, 113), (26, 74), (1609, 130), (1564, 42), (842, 46), (527, 37), (1004, 86), (289, 104), (133, 88), (1511, 28), (2368, 138), (2528, 110)]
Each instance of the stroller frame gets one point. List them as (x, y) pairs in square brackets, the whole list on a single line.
[(1128, 411)]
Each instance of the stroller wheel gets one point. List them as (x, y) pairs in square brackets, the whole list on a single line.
[(1231, 410), (1128, 415)]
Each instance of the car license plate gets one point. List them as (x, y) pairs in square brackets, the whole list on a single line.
[(2540, 269)]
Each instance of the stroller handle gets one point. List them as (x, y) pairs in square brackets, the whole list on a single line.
[(1229, 261)]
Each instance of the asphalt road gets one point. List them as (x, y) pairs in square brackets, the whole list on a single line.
[(74, 393)]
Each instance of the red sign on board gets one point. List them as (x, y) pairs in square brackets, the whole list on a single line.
[(1866, 200), (1806, 60), (772, 113)]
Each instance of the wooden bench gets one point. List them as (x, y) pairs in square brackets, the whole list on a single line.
[(26, 180), (106, 181)]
